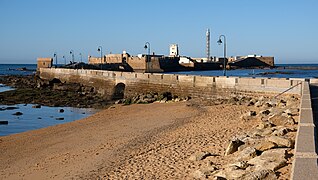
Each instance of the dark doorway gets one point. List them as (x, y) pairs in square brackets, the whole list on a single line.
[(119, 91)]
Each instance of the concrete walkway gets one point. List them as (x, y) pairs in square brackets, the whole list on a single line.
[(305, 164)]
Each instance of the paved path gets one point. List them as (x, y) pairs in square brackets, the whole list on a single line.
[(305, 165)]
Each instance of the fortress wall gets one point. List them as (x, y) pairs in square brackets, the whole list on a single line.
[(181, 85)]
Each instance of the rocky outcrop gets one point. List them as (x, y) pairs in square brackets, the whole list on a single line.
[(151, 97), (266, 148), (33, 90)]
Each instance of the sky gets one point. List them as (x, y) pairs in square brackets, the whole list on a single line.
[(285, 29)]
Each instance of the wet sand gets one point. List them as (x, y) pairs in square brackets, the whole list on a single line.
[(141, 141)]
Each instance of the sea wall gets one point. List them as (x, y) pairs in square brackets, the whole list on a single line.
[(206, 87)]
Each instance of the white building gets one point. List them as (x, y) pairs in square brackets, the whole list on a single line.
[(174, 50)]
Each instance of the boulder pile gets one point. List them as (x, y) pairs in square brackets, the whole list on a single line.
[(145, 98), (264, 150)]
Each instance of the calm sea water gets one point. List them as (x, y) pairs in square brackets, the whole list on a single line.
[(36, 118), (290, 71), (33, 118), (12, 69)]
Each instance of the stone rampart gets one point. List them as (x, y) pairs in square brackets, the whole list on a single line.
[(182, 85)]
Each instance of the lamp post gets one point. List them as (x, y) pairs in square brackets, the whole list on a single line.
[(72, 53), (224, 57), (147, 46), (99, 49), (81, 56), (64, 60), (55, 55)]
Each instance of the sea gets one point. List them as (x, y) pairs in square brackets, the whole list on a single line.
[(305, 71), (31, 118), (34, 118)]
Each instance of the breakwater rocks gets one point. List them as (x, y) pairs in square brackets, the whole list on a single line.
[(33, 90), (151, 97), (266, 151)]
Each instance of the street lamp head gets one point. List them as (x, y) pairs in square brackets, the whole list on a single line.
[(54, 54), (145, 46), (219, 41), (98, 49), (71, 52)]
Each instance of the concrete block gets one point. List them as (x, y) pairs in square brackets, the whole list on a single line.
[(170, 79), (314, 81), (186, 80), (278, 83), (305, 169), (225, 82), (306, 87), (203, 81), (128, 75), (142, 76), (305, 96), (305, 140), (306, 116), (305, 103), (156, 78), (249, 81)]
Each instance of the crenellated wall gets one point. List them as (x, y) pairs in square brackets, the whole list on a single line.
[(182, 85)]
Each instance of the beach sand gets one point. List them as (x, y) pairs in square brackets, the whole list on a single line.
[(140, 141)]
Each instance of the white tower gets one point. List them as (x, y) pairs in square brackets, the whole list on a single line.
[(208, 45), (174, 50)]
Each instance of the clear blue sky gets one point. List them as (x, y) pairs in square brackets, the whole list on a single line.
[(286, 29)]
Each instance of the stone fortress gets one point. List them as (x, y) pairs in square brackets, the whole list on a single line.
[(161, 63)]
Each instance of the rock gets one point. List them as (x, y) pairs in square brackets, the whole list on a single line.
[(272, 159), (282, 103), (60, 118), (230, 173), (198, 174), (251, 103), (177, 99), (36, 106), (61, 110), (267, 105), (264, 125), (258, 104), (240, 165), (251, 113), (203, 172), (4, 122), (250, 142), (281, 131), (119, 101), (265, 145), (10, 108), (17, 113), (281, 141), (260, 175), (280, 120), (199, 156), (265, 112), (266, 132), (247, 116), (233, 146), (246, 154)]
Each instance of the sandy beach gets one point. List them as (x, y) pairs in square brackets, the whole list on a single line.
[(140, 141)]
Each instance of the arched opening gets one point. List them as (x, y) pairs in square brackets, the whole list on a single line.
[(119, 91)]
